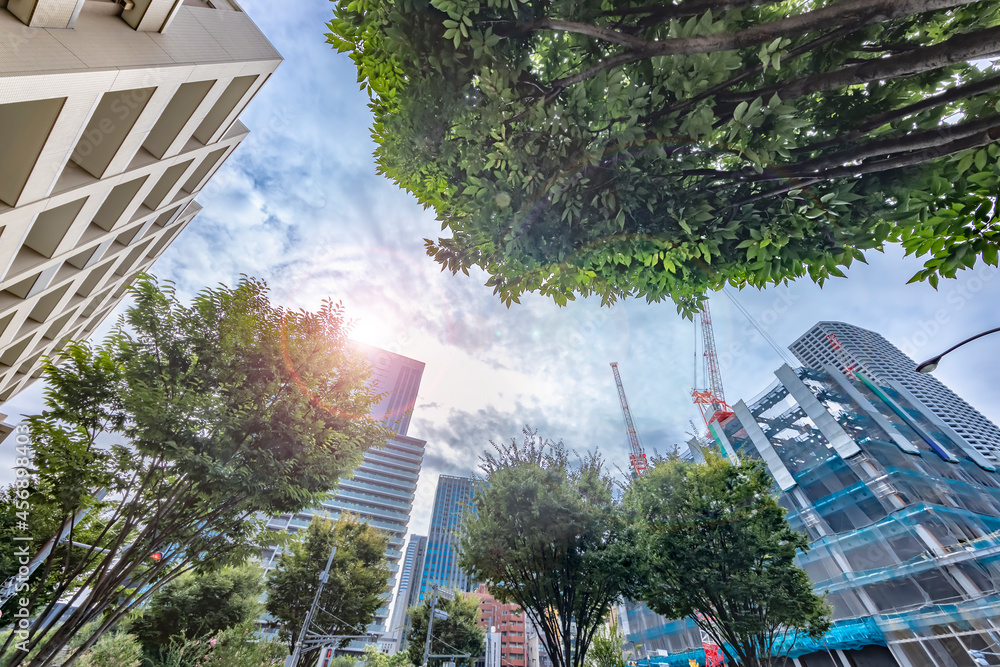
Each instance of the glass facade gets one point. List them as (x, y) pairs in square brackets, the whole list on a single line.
[(451, 501), (903, 520)]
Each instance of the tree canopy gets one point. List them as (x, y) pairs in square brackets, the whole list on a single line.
[(199, 604), (546, 534), (459, 633), (712, 543), (353, 593), (663, 149), (197, 420)]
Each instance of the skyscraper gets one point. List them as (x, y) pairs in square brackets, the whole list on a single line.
[(397, 378), (451, 501), (380, 492), (884, 363), (113, 116), (409, 577)]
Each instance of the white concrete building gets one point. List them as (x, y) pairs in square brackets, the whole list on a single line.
[(113, 116), (885, 364)]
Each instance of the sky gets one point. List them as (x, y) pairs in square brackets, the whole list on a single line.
[(299, 205)]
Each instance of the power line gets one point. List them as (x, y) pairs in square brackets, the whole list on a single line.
[(782, 353)]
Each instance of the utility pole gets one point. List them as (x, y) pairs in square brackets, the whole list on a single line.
[(293, 659), (447, 595)]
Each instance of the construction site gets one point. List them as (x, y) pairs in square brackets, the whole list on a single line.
[(902, 513)]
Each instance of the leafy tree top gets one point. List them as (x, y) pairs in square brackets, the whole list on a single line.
[(198, 420), (460, 633), (357, 580), (662, 149), (197, 605), (546, 535), (712, 543)]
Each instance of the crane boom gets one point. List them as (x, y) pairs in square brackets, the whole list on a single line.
[(712, 399), (637, 458), (712, 358)]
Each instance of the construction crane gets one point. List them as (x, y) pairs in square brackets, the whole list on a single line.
[(637, 458), (712, 399)]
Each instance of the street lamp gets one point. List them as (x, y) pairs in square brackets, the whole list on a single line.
[(931, 364)]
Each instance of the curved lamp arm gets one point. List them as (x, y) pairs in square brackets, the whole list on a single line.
[(931, 364)]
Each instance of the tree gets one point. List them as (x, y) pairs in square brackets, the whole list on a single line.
[(546, 535), (198, 421), (20, 518), (459, 633), (353, 593), (662, 149), (606, 651), (372, 657), (199, 604), (713, 544)]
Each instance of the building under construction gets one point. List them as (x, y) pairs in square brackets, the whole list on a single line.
[(903, 515)]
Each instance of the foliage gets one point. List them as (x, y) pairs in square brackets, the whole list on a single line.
[(236, 646), (198, 605), (662, 149), (352, 594), (546, 534), (19, 519), (344, 661), (373, 657), (606, 651), (712, 543), (113, 650), (459, 633), (232, 409)]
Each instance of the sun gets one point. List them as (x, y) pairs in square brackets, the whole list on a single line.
[(368, 328)]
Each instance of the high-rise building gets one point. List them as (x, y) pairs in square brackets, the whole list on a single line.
[(409, 576), (452, 500), (397, 379), (903, 519), (380, 492), (885, 364), (113, 116), (510, 622)]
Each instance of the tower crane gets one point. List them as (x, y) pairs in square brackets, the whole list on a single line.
[(637, 457), (712, 399)]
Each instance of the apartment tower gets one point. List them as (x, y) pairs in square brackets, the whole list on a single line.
[(113, 116), (884, 363), (511, 623), (381, 490)]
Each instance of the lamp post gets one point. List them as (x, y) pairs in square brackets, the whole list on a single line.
[(931, 364)]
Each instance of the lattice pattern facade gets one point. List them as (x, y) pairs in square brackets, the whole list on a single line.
[(111, 122)]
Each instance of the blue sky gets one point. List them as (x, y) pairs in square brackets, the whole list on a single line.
[(300, 205)]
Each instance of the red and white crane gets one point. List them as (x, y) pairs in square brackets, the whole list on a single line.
[(637, 457), (711, 400)]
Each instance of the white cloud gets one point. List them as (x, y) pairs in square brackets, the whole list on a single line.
[(300, 205)]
